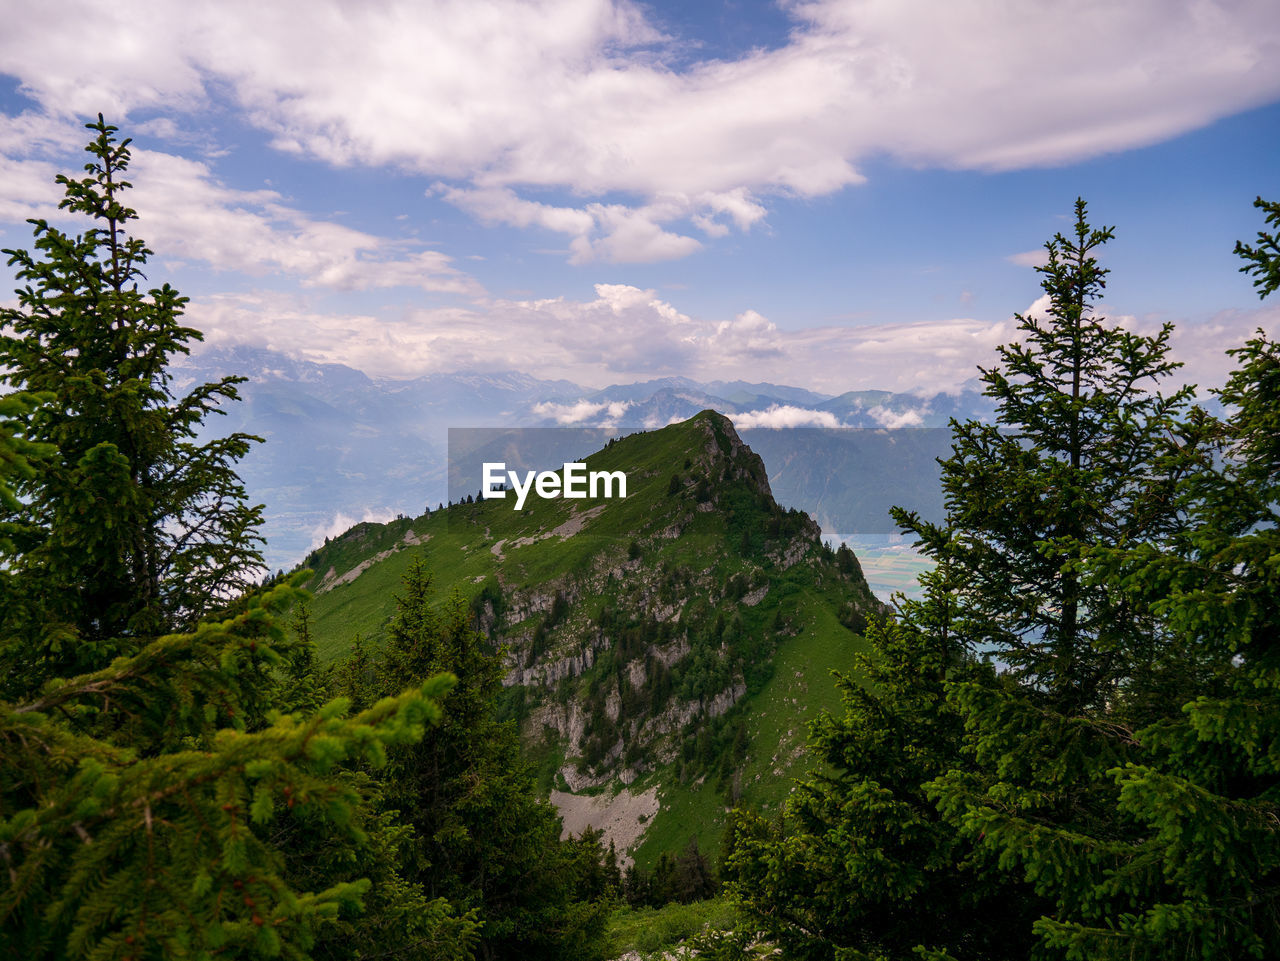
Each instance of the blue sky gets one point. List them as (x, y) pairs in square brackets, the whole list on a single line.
[(835, 194)]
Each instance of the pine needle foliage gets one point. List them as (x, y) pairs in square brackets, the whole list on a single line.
[(972, 788), (132, 806), (129, 527), (862, 856), (1193, 873), (482, 839), (155, 757)]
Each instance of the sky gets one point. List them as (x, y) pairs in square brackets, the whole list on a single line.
[(833, 194)]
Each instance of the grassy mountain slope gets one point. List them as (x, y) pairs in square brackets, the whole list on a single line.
[(673, 641)]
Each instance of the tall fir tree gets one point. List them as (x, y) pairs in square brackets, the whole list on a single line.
[(1188, 865), (130, 527), (1100, 461), (144, 798), (861, 864), (1003, 699), (482, 839)]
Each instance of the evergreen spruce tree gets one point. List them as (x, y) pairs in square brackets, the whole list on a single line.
[(481, 838), (1000, 703), (135, 815), (129, 528), (145, 799), (1099, 465), (862, 865), (16, 453), (397, 917), (1188, 865)]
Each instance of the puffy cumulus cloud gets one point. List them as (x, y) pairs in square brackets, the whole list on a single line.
[(896, 418), (785, 415), (604, 414), (615, 233), (186, 213), (501, 205), (27, 190), (632, 235), (627, 334), (749, 335), (27, 141), (1202, 347), (500, 96)]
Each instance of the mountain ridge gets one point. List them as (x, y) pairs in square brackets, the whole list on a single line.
[(666, 640)]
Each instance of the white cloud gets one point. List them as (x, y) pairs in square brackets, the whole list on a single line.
[(27, 189), (626, 334), (614, 233), (185, 212), (501, 97), (341, 523), (584, 410), (785, 415), (632, 235), (1030, 258), (501, 205), (894, 419), (748, 335)]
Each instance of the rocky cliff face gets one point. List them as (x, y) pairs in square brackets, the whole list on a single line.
[(657, 635), (643, 636)]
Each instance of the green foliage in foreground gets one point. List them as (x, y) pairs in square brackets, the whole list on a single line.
[(1110, 791), (480, 838), (135, 808), (175, 782)]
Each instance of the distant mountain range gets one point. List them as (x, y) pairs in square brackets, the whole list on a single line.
[(342, 447)]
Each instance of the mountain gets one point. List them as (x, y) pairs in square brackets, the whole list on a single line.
[(758, 396), (665, 648), (344, 447)]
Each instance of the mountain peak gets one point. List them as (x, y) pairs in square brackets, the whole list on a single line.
[(665, 638)]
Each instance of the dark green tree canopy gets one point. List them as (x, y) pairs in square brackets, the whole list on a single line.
[(988, 782), (128, 526), (1085, 452)]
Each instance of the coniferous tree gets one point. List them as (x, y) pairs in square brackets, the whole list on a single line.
[(129, 528), (135, 817), (143, 798), (397, 916), (16, 452), (1091, 459), (1189, 864), (482, 839), (862, 864), (954, 780)]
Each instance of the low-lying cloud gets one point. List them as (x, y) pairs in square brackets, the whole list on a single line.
[(785, 415)]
